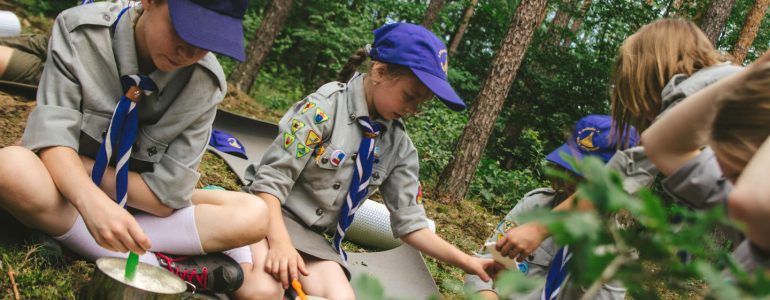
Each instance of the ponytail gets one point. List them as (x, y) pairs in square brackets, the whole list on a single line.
[(352, 64)]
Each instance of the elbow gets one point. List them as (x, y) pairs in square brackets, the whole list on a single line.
[(739, 202), (651, 148)]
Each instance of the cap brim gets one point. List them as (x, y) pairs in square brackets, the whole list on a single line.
[(441, 89), (207, 29), (555, 157)]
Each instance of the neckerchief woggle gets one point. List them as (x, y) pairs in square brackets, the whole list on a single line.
[(359, 185)]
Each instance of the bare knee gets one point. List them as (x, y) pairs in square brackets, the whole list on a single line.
[(258, 285), (19, 169), (250, 217)]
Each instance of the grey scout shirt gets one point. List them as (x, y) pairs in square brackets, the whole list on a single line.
[(301, 167), (81, 85), (638, 171)]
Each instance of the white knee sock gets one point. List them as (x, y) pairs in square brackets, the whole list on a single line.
[(175, 234), (79, 240), (241, 255)]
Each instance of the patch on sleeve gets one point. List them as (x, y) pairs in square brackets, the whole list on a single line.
[(307, 106), (296, 125), (288, 139), (418, 198), (312, 138), (320, 116), (302, 150)]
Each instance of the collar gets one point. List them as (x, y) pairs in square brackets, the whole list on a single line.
[(124, 47), (357, 106)]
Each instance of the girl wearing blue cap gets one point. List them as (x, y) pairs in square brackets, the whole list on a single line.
[(338, 146), (590, 137), (131, 93)]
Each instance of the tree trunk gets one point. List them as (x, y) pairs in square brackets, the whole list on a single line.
[(245, 73), (559, 24), (577, 22), (749, 30), (461, 29), (714, 20), (458, 174), (431, 14)]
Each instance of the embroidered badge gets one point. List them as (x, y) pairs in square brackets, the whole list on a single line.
[(320, 116), (312, 138), (319, 152), (307, 106), (585, 138), (376, 151), (418, 199), (444, 59), (296, 125), (288, 139), (302, 150), (503, 227), (338, 156), (233, 142)]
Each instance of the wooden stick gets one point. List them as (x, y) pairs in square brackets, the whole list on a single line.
[(13, 282)]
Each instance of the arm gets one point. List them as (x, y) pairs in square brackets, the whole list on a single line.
[(431, 244), (283, 260), (678, 135), (749, 201), (111, 226)]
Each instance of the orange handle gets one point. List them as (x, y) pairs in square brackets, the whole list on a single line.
[(298, 288)]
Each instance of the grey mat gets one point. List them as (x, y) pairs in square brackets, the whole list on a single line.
[(401, 271)]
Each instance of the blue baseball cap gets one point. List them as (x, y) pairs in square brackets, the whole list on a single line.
[(216, 26), (420, 50), (590, 137), (227, 143)]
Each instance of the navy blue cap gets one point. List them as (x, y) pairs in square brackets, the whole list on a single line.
[(216, 26), (590, 137), (419, 49), (227, 143)]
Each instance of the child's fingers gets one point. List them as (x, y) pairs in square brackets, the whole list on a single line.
[(138, 236), (501, 242), (130, 243), (293, 269), (302, 268), (268, 266), (109, 241), (285, 273)]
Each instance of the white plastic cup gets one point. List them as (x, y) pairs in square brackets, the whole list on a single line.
[(9, 24)]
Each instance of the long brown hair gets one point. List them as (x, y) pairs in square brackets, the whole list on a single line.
[(742, 122), (645, 63)]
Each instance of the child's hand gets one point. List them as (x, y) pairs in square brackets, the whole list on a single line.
[(485, 268), (113, 227), (283, 261), (520, 241)]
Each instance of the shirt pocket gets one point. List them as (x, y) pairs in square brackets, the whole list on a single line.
[(325, 167), (379, 173), (540, 259)]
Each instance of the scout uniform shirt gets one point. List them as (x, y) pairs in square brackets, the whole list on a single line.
[(638, 171), (310, 164), (81, 86)]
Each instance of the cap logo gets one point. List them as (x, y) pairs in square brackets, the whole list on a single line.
[(444, 59), (585, 138), (233, 142)]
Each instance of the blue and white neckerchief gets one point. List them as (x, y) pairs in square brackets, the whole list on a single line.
[(359, 185), (121, 134), (557, 273)]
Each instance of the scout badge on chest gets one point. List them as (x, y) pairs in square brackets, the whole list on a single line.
[(307, 106), (320, 116), (337, 157), (296, 125)]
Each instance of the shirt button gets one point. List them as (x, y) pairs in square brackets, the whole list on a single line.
[(336, 186), (324, 160), (352, 117), (354, 156), (106, 17), (341, 85), (376, 175), (531, 258), (319, 211)]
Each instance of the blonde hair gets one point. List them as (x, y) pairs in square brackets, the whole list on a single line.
[(742, 122), (645, 63), (359, 57)]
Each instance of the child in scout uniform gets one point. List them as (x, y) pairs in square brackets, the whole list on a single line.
[(590, 137), (337, 147), (731, 117), (125, 107), (682, 53)]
